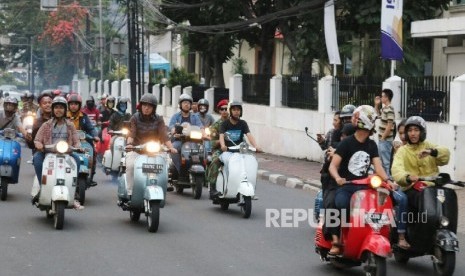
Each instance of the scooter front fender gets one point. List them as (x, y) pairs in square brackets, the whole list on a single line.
[(154, 193), (447, 240), (60, 193), (377, 244), (246, 189), (197, 169)]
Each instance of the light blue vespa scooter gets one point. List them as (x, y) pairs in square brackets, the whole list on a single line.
[(10, 160), (150, 182)]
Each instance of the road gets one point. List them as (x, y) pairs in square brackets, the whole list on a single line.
[(194, 238)]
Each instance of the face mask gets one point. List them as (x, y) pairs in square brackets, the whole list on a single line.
[(90, 105), (123, 107)]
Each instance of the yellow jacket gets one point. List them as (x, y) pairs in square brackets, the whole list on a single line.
[(406, 162)]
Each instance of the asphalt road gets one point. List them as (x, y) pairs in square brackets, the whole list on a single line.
[(194, 238)]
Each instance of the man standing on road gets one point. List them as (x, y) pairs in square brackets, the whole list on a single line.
[(386, 128)]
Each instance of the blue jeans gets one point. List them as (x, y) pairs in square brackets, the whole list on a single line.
[(401, 204), (384, 150), (38, 161)]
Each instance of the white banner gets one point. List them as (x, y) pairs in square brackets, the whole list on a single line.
[(330, 34), (160, 43), (391, 29)]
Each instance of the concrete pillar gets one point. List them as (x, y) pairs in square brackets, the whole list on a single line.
[(115, 89), (325, 95), (106, 87), (235, 88), (276, 91), (166, 95), (175, 93), (457, 101), (92, 87), (83, 88), (156, 91), (395, 84), (99, 87), (126, 91), (187, 90), (209, 96)]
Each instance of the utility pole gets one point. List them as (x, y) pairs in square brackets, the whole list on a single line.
[(101, 45)]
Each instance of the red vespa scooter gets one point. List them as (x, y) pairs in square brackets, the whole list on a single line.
[(366, 238)]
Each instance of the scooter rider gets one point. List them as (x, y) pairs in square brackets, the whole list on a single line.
[(184, 115), (108, 111), (206, 118), (120, 116), (418, 158), (92, 111), (213, 168), (352, 160), (9, 118), (236, 128), (53, 131), (145, 125), (45, 111), (82, 122), (28, 103), (346, 114)]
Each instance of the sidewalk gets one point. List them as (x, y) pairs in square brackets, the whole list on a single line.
[(303, 174)]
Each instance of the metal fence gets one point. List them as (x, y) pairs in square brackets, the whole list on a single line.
[(428, 97), (300, 91), (256, 88), (356, 90)]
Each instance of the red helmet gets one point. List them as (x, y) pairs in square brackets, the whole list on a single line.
[(75, 98), (221, 103), (56, 92)]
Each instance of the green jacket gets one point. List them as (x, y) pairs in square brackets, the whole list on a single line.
[(215, 133), (406, 162)]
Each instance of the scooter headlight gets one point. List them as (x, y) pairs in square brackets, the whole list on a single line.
[(62, 146), (125, 131), (196, 135), (444, 222), (152, 147), (376, 182), (207, 131), (28, 121)]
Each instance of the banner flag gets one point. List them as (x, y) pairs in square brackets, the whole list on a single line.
[(330, 34), (391, 29)]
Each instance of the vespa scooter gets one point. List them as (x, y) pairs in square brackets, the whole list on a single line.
[(192, 171), (150, 182), (112, 158), (86, 159), (10, 160), (237, 184), (366, 238), (433, 230), (58, 183)]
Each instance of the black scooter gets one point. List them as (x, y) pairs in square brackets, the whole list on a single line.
[(434, 229)]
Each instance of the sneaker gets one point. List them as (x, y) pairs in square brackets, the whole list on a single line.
[(77, 205), (214, 193), (93, 183)]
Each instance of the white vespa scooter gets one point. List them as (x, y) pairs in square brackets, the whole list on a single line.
[(237, 185), (58, 183), (112, 157)]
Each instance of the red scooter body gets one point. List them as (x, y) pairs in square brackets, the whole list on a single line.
[(361, 239), (103, 145)]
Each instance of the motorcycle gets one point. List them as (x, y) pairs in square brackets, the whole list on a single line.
[(28, 121), (366, 238), (237, 185), (112, 158), (10, 160), (58, 184), (192, 171), (86, 159), (103, 145), (434, 231), (150, 183)]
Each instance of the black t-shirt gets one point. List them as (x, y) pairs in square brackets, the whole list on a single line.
[(236, 132), (356, 157)]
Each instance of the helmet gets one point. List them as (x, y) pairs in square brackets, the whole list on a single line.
[(104, 96), (122, 100), (205, 103), (75, 98), (221, 103), (11, 100), (149, 99), (365, 116), (416, 121), (347, 111), (44, 94), (56, 92), (185, 97), (59, 101), (235, 103), (110, 99), (27, 95)]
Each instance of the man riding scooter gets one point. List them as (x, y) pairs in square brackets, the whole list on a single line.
[(82, 122)]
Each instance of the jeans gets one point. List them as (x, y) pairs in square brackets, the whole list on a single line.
[(38, 161), (384, 150), (401, 203)]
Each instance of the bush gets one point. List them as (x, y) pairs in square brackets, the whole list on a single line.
[(179, 76)]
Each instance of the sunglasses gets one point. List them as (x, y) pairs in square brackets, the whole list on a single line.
[(223, 109)]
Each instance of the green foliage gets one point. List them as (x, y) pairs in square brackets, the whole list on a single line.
[(238, 66), (118, 73), (179, 76), (7, 78)]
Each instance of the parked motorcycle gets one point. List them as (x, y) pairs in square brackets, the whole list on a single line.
[(237, 184), (112, 158), (85, 169), (192, 171), (434, 231), (150, 183), (58, 183), (10, 160), (367, 240)]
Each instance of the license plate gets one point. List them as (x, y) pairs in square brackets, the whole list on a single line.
[(152, 168)]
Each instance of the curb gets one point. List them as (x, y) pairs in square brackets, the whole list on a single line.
[(289, 182)]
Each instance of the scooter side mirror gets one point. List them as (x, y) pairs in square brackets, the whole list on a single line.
[(178, 129), (443, 178)]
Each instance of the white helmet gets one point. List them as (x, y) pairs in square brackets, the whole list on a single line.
[(365, 117)]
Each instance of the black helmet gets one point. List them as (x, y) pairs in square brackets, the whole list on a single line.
[(420, 123), (59, 101), (203, 102), (149, 99), (122, 100), (110, 99), (235, 103), (347, 111), (27, 95)]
